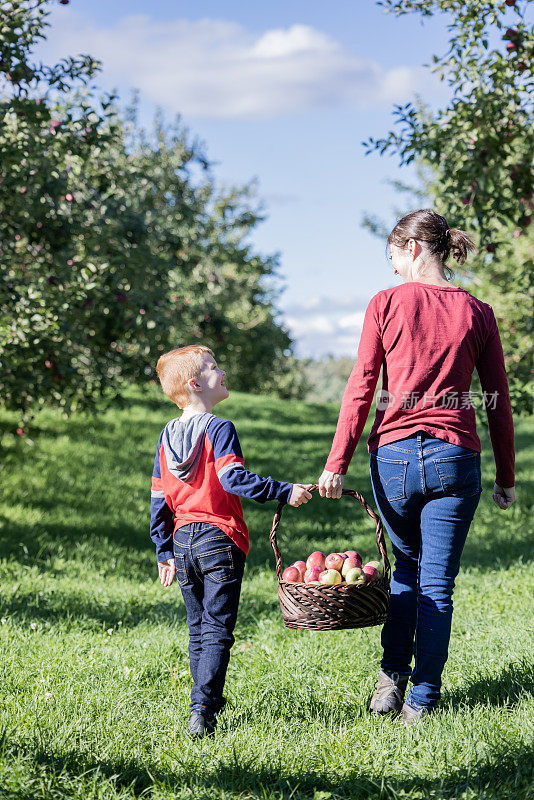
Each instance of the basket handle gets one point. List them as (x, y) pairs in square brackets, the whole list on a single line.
[(380, 541)]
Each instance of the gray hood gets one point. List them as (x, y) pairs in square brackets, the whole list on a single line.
[(182, 444)]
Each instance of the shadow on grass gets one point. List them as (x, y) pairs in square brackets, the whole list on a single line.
[(505, 774), (313, 526), (507, 689), (85, 609), (85, 613), (316, 522)]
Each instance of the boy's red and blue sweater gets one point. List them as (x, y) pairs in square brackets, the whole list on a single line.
[(198, 473)]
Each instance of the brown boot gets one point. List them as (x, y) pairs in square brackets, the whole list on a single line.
[(389, 693), (410, 715)]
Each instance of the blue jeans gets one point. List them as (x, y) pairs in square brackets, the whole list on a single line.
[(427, 491), (209, 569)]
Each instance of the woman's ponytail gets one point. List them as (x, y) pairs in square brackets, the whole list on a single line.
[(460, 244), (431, 228)]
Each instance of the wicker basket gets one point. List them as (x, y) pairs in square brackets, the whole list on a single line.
[(334, 608)]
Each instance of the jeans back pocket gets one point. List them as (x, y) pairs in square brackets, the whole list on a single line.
[(460, 476), (389, 477), (217, 564)]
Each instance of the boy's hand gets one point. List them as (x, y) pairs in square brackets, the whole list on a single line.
[(300, 494), (331, 484), (167, 571), (503, 497)]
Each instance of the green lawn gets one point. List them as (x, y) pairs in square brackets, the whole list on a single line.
[(95, 678)]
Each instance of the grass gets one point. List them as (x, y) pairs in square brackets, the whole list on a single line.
[(94, 675)]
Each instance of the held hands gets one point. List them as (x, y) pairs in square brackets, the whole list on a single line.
[(331, 484), (503, 497), (167, 571), (300, 494)]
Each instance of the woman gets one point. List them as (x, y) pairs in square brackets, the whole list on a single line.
[(428, 336)]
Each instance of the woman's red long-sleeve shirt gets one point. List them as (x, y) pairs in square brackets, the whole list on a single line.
[(428, 339)]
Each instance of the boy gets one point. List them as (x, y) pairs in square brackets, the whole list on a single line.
[(197, 521)]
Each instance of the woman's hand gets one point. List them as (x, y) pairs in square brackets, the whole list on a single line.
[(503, 497), (331, 484)]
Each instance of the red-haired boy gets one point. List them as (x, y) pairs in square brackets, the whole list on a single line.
[(197, 521)]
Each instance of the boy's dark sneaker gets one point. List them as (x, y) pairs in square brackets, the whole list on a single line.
[(389, 694), (201, 725)]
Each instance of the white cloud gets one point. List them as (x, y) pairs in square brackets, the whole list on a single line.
[(325, 325), (217, 69), (352, 321)]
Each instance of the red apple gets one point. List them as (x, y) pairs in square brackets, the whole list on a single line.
[(330, 577), (355, 576), (301, 566), (69, 197), (334, 561), (316, 559), (371, 574), (509, 2), (312, 574), (349, 564), (378, 565), (292, 575)]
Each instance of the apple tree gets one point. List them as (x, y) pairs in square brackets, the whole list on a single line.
[(478, 149), (78, 269), (113, 248), (220, 291)]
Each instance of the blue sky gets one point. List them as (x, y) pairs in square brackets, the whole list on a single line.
[(283, 92)]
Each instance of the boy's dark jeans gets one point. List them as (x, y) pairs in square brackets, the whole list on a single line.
[(209, 569)]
